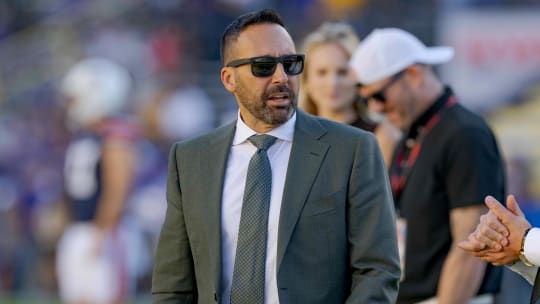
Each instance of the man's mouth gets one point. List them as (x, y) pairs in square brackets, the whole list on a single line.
[(279, 99)]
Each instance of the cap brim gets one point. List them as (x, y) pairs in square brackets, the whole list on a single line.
[(436, 55)]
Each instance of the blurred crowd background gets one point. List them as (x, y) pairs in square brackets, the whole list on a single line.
[(171, 48)]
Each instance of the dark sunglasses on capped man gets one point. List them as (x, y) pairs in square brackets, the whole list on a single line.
[(380, 96), (264, 66)]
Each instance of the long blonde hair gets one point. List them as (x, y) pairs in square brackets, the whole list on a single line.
[(339, 33)]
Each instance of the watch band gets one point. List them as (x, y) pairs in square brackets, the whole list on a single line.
[(522, 256)]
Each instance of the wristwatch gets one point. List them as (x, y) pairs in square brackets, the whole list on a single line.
[(522, 256)]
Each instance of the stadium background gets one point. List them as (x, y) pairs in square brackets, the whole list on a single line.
[(171, 47)]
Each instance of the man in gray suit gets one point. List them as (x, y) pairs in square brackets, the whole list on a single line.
[(328, 225)]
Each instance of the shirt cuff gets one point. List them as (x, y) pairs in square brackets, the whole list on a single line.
[(531, 247)]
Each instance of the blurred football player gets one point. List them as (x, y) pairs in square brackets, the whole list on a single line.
[(92, 259)]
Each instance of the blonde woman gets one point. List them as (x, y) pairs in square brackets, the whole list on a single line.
[(328, 88)]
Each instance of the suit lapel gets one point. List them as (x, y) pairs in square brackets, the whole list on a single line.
[(213, 162), (307, 154), (536, 288)]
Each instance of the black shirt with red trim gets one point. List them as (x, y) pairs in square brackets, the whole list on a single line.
[(457, 164)]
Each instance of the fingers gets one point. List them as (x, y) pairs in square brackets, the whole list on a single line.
[(492, 228), (478, 245), (489, 243), (513, 206), (490, 238), (498, 209), (473, 248), (498, 258)]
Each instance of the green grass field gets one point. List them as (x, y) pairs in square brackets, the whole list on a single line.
[(20, 300), (36, 300)]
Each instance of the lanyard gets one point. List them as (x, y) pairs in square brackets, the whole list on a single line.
[(408, 154)]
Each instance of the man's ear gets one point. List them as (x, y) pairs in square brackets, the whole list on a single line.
[(228, 79), (415, 73)]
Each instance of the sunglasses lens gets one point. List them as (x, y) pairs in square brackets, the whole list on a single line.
[(293, 64), (266, 66), (379, 97), (263, 68)]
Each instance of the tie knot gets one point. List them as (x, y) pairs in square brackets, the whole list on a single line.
[(262, 141)]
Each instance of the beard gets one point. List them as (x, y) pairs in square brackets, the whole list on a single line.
[(258, 105)]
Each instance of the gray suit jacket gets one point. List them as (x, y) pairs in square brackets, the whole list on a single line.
[(337, 236)]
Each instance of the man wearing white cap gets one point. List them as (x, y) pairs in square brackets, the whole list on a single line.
[(440, 173)]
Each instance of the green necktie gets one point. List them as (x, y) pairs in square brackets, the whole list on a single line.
[(249, 264)]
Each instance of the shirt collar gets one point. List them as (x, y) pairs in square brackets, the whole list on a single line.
[(432, 110), (284, 132)]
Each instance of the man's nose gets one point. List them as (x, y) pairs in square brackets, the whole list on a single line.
[(279, 75)]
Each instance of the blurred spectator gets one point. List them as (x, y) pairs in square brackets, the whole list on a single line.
[(328, 87), (441, 171), (168, 115)]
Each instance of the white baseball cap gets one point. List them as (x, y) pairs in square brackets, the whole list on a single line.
[(385, 52)]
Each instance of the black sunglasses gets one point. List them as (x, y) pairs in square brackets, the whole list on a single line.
[(265, 66), (379, 95)]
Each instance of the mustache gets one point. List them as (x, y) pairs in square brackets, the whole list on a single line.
[(279, 89)]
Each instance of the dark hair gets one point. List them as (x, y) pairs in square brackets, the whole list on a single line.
[(234, 29)]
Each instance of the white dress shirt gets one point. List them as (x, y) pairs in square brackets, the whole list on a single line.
[(531, 247), (233, 191), (531, 250)]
